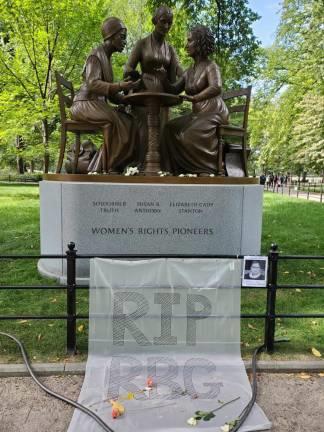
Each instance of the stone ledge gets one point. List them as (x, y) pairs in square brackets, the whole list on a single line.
[(48, 369)]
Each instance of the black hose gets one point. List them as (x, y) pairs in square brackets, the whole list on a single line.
[(241, 419), (246, 411), (82, 408)]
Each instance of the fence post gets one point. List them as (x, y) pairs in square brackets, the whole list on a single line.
[(71, 299), (270, 321), (321, 197)]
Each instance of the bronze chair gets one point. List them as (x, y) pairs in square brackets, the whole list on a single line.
[(232, 139), (76, 127)]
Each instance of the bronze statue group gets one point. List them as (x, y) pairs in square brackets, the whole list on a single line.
[(188, 143)]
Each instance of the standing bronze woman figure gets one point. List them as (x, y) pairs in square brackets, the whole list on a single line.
[(158, 62), (158, 59), (90, 103), (189, 143)]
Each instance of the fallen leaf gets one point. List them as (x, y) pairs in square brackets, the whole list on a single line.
[(39, 337), (316, 353), (252, 327), (304, 376), (50, 325), (298, 290), (315, 322), (321, 374), (81, 328), (53, 300), (286, 272), (22, 321)]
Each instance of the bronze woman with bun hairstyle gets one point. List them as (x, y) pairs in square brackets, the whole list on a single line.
[(158, 63), (157, 58)]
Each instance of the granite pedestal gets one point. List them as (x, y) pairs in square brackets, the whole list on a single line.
[(196, 217)]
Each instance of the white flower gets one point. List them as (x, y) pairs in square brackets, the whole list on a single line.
[(130, 171), (211, 175), (192, 421), (225, 428), (163, 173), (181, 175)]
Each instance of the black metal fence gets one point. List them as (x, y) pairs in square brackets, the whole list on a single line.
[(71, 316), (309, 191), (21, 178)]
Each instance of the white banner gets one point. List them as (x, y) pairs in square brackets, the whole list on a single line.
[(164, 341)]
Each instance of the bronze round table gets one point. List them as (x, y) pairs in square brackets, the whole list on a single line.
[(153, 101)]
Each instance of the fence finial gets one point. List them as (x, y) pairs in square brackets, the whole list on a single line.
[(71, 246), (274, 247)]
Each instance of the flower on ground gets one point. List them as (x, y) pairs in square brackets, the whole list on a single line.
[(225, 428)]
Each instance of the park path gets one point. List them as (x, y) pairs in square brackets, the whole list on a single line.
[(293, 402), (290, 191)]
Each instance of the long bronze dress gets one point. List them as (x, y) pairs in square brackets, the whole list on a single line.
[(90, 105), (157, 61), (189, 143)]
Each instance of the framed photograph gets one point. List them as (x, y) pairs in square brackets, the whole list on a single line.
[(255, 270)]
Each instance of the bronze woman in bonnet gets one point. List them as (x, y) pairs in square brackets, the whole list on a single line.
[(189, 143), (98, 88)]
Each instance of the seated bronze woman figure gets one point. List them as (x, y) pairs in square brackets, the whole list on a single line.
[(90, 103), (189, 143)]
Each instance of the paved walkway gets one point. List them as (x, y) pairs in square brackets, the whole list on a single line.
[(290, 191), (293, 402)]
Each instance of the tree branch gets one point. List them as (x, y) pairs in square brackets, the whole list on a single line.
[(50, 60), (30, 59), (17, 78), (72, 52)]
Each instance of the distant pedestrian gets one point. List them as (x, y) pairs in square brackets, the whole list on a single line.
[(262, 179)]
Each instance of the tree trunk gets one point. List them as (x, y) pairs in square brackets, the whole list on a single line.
[(32, 166), (45, 133), (20, 160), (304, 176)]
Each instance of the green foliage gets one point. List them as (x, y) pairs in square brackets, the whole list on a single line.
[(231, 23), (36, 39), (286, 119)]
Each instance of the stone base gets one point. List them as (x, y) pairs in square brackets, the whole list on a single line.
[(153, 218)]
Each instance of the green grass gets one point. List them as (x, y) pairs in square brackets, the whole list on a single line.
[(295, 225), (298, 229), (19, 234)]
